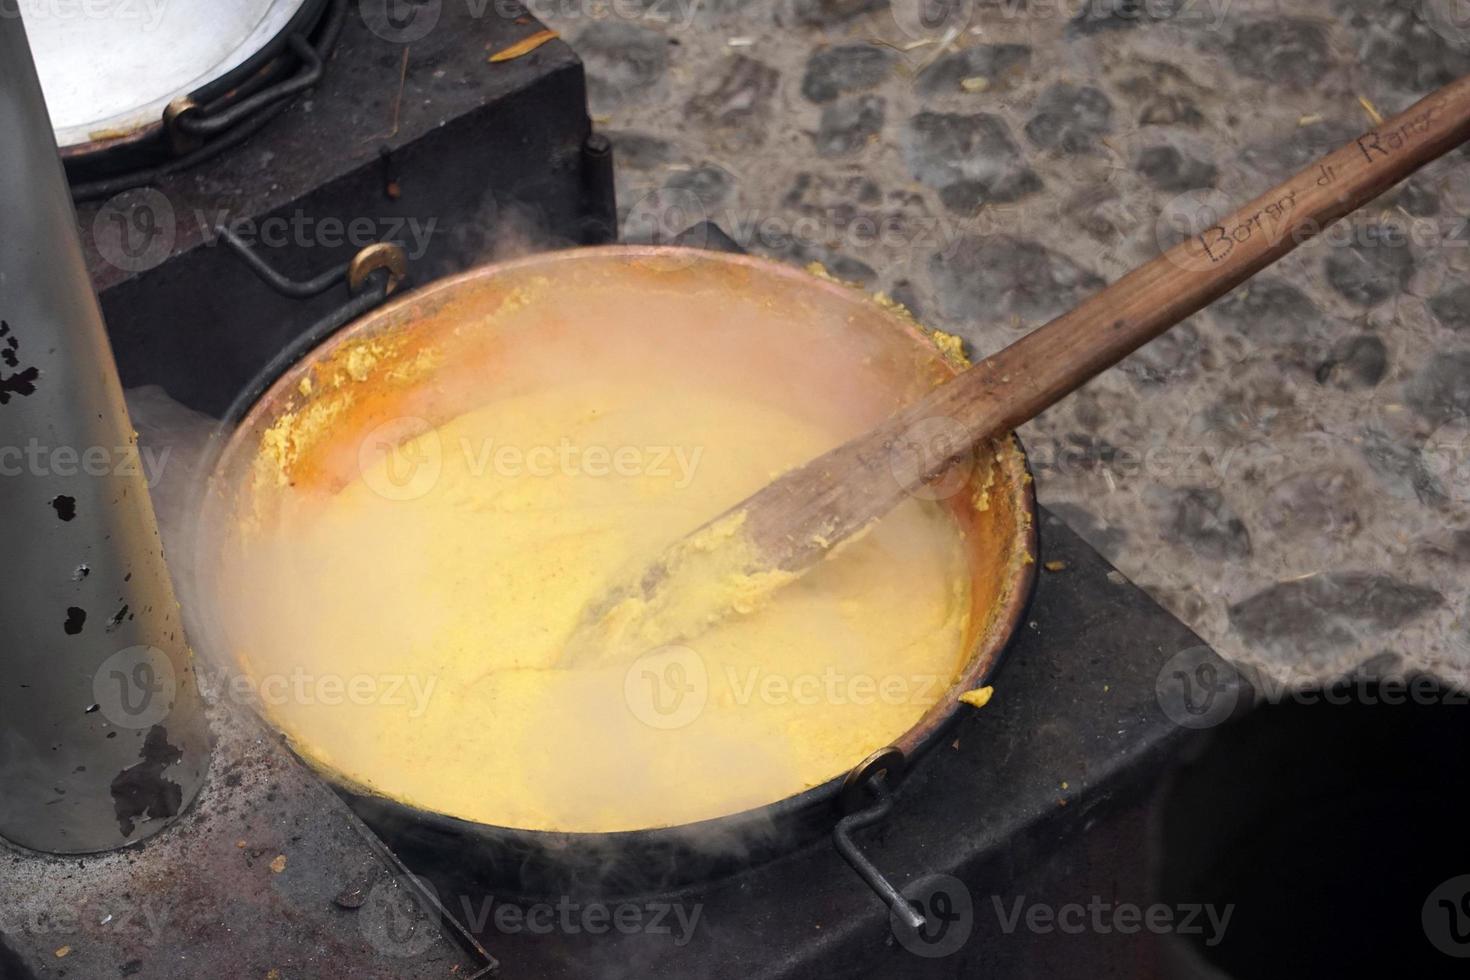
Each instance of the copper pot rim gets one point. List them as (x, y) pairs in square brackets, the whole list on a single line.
[(985, 655)]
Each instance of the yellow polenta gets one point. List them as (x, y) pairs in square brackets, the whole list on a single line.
[(440, 586)]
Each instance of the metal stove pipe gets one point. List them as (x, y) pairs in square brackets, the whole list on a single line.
[(102, 736)]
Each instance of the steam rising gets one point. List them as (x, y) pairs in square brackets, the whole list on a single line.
[(469, 582)]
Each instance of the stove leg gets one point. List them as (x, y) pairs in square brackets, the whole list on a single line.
[(600, 216)]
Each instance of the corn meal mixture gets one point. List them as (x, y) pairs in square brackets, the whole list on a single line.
[(462, 560)]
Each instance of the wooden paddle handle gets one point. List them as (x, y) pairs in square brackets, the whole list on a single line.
[(1019, 382), (794, 521)]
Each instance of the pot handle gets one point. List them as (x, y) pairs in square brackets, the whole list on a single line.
[(866, 799), (189, 123), (371, 275)]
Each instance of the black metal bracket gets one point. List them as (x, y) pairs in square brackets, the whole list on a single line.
[(868, 784), (600, 223)]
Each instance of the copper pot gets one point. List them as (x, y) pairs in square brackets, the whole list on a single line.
[(825, 346)]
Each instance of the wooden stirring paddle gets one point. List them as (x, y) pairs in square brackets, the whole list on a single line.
[(785, 528)]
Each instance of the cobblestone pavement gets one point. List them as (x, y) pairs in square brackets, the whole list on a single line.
[(1289, 472)]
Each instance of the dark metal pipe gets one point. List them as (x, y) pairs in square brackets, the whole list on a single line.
[(102, 735)]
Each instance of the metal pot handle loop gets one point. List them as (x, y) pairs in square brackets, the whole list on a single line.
[(371, 275), (189, 123), (866, 799)]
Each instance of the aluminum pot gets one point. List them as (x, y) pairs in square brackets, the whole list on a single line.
[(433, 356)]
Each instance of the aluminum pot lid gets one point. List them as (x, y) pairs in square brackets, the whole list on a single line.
[(110, 68)]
